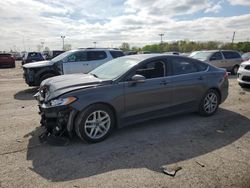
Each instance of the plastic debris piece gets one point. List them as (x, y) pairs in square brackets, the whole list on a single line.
[(171, 171)]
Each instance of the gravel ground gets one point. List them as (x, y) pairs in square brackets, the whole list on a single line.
[(212, 152)]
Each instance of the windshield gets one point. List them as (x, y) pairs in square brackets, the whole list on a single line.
[(114, 68), (202, 55), (61, 56), (246, 55)]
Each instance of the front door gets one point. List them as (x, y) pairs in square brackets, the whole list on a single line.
[(152, 95)]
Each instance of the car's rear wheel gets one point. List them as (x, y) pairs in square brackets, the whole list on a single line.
[(95, 123), (235, 70), (209, 103)]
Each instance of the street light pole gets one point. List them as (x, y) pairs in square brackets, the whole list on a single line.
[(95, 44), (161, 35), (63, 37)]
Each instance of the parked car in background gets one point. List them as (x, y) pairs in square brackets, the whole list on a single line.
[(245, 56), (128, 90), (74, 61), (228, 59), (7, 60), (30, 57), (130, 53), (17, 56), (52, 54), (244, 74), (172, 53)]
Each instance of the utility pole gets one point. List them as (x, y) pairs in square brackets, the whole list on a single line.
[(94, 44), (161, 35), (63, 37), (233, 37)]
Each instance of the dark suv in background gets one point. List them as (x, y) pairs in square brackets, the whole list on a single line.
[(228, 59), (32, 57)]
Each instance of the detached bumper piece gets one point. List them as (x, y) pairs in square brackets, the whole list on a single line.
[(57, 126)]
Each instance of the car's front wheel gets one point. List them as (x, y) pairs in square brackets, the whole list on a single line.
[(209, 103), (95, 123)]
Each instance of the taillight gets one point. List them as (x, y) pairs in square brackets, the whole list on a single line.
[(225, 74)]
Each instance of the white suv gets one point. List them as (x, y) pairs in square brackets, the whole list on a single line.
[(244, 74), (81, 60)]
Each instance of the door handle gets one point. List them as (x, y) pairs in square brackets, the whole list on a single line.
[(201, 78), (85, 64), (164, 82)]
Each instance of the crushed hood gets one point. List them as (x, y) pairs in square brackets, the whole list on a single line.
[(59, 85), (38, 64)]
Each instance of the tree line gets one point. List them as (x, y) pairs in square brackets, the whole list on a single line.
[(188, 46)]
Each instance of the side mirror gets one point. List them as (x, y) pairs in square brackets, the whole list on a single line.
[(138, 78)]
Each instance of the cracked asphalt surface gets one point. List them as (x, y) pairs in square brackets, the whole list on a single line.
[(213, 151)]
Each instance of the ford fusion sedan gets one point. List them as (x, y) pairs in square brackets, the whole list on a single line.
[(74, 61), (244, 74), (127, 90)]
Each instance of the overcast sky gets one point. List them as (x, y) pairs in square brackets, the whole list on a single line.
[(27, 23)]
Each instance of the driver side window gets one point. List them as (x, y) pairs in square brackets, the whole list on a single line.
[(155, 69)]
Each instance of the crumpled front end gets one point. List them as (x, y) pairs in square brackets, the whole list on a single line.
[(57, 120)]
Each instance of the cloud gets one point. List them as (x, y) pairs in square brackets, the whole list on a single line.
[(110, 23), (240, 2)]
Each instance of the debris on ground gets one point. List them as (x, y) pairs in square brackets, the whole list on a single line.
[(18, 140), (171, 171), (242, 92), (199, 163)]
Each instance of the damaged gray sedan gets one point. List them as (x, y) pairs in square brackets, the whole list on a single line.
[(128, 90)]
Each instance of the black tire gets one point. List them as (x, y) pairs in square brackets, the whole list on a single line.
[(203, 111), (244, 85), (80, 123), (235, 70), (44, 77)]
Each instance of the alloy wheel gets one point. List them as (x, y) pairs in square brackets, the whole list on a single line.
[(210, 103), (97, 124)]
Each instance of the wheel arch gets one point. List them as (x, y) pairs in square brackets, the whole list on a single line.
[(218, 91), (103, 103)]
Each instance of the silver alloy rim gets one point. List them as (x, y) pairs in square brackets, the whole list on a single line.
[(210, 102), (97, 124)]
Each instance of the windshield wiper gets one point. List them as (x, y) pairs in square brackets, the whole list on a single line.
[(93, 75)]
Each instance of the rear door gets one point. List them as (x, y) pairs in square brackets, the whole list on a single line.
[(153, 95), (232, 59), (76, 63), (188, 82), (96, 58)]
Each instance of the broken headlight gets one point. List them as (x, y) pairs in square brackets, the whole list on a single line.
[(62, 101)]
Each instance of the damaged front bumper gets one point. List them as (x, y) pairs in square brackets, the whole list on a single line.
[(57, 121)]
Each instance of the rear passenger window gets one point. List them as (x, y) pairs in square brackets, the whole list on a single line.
[(116, 54), (96, 55), (186, 66), (231, 55)]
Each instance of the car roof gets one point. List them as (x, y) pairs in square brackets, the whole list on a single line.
[(142, 57), (97, 49)]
